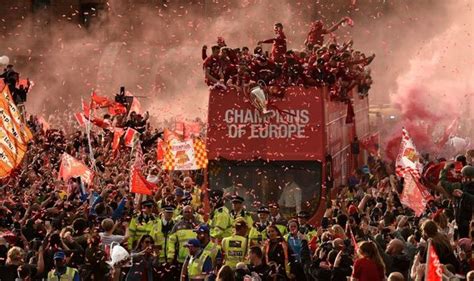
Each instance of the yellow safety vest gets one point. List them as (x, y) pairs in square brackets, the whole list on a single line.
[(235, 250), (257, 238), (160, 239), (177, 240), (212, 249), (195, 267), (221, 223), (137, 230), (67, 276)]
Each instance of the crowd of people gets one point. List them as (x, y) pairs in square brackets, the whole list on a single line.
[(337, 66), (52, 229)]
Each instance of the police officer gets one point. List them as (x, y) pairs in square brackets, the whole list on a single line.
[(463, 190), (161, 231), (306, 228), (234, 248), (221, 221), (142, 223), (209, 247), (258, 232), (238, 210), (277, 218), (61, 271), (198, 264), (193, 191), (182, 231)]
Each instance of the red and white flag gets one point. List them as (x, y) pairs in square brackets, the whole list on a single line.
[(81, 119), (130, 136), (434, 269), (408, 159), (414, 195), (71, 167), (138, 184)]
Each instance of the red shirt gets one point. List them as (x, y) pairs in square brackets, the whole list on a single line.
[(367, 270), (315, 36), (213, 63), (278, 47)]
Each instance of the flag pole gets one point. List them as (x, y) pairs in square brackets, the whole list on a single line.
[(427, 259)]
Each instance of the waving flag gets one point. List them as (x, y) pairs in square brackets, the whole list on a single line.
[(408, 159), (414, 194), (185, 155), (434, 269), (99, 101), (71, 167), (118, 133), (138, 184), (14, 134)]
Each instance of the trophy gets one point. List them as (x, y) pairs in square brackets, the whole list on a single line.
[(259, 99)]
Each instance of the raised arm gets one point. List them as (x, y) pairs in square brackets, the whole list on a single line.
[(334, 27)]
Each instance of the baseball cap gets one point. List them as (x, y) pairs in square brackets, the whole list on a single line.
[(202, 228), (193, 242), (59, 255)]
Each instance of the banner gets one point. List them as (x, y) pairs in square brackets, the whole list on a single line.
[(237, 131), (71, 167), (185, 155), (14, 135), (434, 269), (414, 194), (408, 159)]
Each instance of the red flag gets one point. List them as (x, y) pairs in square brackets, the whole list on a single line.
[(117, 109), (71, 167), (99, 122), (130, 135), (80, 118), (434, 269), (414, 195), (138, 183), (86, 109), (118, 133), (160, 151), (99, 101)]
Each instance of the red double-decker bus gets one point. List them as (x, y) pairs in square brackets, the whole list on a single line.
[(305, 135)]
